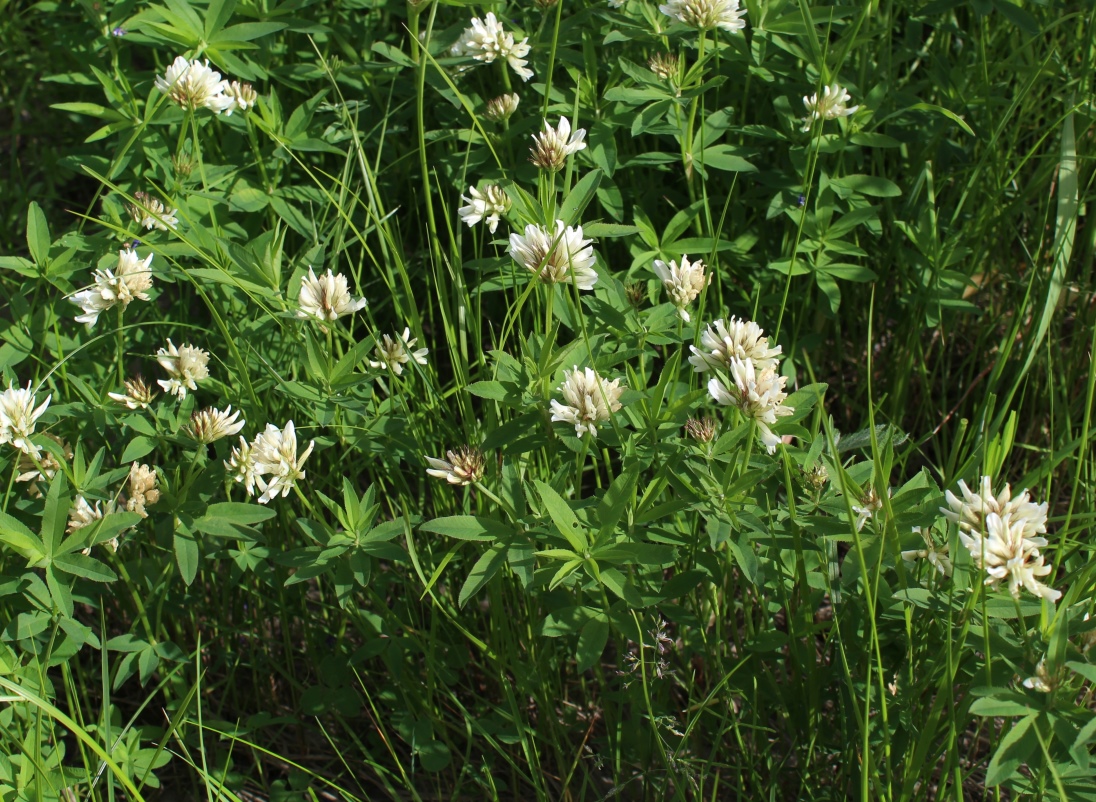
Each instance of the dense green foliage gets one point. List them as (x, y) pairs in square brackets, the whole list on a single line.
[(701, 599)]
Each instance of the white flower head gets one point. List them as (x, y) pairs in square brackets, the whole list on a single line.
[(552, 146), (326, 297), (194, 85), (394, 353), (130, 280), (936, 555), (486, 40), (870, 503), (589, 398), (502, 107), (277, 465), (723, 342), (1003, 535), (143, 488), (1042, 681), (555, 258), (186, 366), (489, 205), (830, 106), (44, 466), (706, 14), (240, 465), (82, 514), (138, 395), (758, 394), (18, 414), (243, 97), (464, 466), (151, 212), (210, 424), (682, 282)]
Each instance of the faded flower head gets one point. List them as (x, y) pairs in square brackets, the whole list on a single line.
[(552, 146), (830, 106), (209, 425), (395, 353), (758, 394), (706, 14), (564, 256), (870, 503), (489, 205), (82, 514), (664, 65), (703, 430), (486, 40), (138, 395), (194, 85), (277, 465), (151, 213), (18, 415), (143, 488), (240, 465), (1003, 536), (186, 366), (326, 297), (45, 468), (722, 343), (243, 97), (589, 398), (130, 280), (936, 555), (1042, 681), (682, 282), (500, 109), (464, 466)]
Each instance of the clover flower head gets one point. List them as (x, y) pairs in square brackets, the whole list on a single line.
[(151, 213), (210, 424), (240, 465), (831, 105), (394, 353), (19, 411), (488, 205), (243, 97), (683, 283), (277, 465), (486, 40), (723, 342), (937, 556), (501, 108), (564, 256), (130, 280), (463, 466), (589, 400), (138, 395), (143, 488), (185, 366), (552, 146), (759, 395), (46, 467), (706, 15), (195, 85), (326, 297)]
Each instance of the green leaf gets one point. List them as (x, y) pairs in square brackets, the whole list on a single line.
[(186, 554), (868, 185), (1003, 704), (591, 642), (468, 527), (615, 500), (608, 230), (24, 541), (55, 516), (485, 568), (62, 596), (38, 234), (83, 566), (570, 212), (563, 517), (722, 157), (1015, 748), (137, 448)]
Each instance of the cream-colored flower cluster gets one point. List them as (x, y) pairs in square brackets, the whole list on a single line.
[(488, 205), (19, 411), (552, 146), (562, 256), (270, 463), (706, 15), (463, 466), (1003, 535), (394, 352), (185, 366), (326, 297), (683, 282), (746, 376), (588, 398), (486, 40), (142, 489), (193, 85), (832, 104), (152, 213), (130, 280)]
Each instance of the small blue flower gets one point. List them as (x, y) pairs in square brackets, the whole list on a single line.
[(119, 32), (802, 200)]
